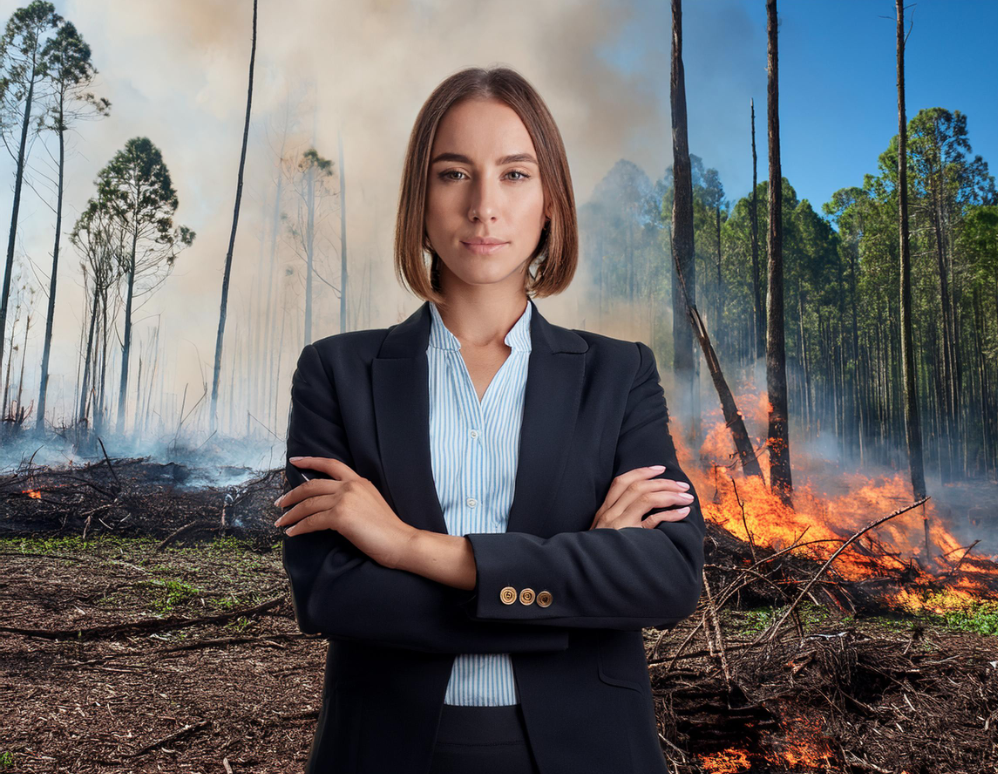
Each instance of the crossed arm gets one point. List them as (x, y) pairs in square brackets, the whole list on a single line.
[(604, 578)]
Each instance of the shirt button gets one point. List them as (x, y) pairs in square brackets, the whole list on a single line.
[(472, 502), (473, 433)]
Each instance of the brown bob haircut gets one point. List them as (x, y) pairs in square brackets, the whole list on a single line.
[(556, 255)]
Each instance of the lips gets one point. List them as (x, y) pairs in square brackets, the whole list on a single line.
[(484, 247)]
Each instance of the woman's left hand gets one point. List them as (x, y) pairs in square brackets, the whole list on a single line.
[(349, 504)]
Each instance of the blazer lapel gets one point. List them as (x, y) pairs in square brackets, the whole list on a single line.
[(555, 376)]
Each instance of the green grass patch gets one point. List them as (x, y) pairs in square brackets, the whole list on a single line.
[(228, 544), (977, 616), (758, 619), (70, 543), (170, 593), (238, 625)]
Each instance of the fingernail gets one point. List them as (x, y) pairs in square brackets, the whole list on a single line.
[(278, 522), (278, 500), (683, 484), (686, 496), (657, 467), (684, 509), (293, 459)]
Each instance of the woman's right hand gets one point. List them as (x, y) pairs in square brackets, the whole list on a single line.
[(634, 493)]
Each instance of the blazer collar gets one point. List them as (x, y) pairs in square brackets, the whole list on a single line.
[(555, 374)]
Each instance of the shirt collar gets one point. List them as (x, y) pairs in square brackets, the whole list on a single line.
[(518, 338)]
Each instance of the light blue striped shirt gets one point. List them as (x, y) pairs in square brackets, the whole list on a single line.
[(474, 449)]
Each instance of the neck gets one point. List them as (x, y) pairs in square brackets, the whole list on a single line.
[(482, 322)]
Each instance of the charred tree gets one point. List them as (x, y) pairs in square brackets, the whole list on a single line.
[(778, 436), (760, 325), (682, 224), (212, 419), (682, 219), (913, 427)]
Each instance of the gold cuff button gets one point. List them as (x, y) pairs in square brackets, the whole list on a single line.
[(527, 596), (508, 595), (544, 598)]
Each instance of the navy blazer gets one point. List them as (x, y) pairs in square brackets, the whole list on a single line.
[(593, 409)]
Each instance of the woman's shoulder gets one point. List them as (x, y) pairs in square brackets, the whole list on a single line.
[(620, 351), (352, 340), (358, 348)]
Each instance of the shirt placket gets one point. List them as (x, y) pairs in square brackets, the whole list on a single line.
[(475, 458)]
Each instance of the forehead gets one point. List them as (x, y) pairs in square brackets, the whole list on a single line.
[(483, 130)]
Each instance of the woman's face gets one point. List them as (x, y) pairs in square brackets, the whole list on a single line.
[(484, 182)]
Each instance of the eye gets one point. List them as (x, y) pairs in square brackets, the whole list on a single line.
[(447, 174)]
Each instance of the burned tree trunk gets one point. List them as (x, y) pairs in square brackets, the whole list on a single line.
[(776, 355), (759, 345), (682, 253), (220, 336), (682, 217), (913, 428)]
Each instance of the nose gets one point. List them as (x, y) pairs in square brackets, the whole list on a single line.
[(484, 197)]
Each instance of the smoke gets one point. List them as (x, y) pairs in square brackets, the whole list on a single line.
[(177, 73)]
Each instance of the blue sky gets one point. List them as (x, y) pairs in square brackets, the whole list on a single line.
[(837, 71)]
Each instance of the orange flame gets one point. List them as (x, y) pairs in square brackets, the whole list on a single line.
[(726, 762), (822, 520)]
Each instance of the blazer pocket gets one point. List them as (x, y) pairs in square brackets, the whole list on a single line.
[(619, 663)]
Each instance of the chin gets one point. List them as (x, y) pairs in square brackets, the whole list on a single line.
[(484, 271)]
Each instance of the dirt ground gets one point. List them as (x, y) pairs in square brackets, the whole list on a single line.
[(244, 690), (143, 690)]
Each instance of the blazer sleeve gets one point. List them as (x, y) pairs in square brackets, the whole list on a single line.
[(341, 593), (627, 578)]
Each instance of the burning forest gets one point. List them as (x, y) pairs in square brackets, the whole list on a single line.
[(826, 340), (853, 632)]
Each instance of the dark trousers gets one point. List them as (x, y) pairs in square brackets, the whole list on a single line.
[(482, 740)]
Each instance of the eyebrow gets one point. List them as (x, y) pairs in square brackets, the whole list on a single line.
[(513, 158)]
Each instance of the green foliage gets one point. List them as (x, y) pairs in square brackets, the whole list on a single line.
[(68, 543), (170, 593), (841, 262), (240, 624), (978, 617), (942, 608), (759, 618), (228, 544)]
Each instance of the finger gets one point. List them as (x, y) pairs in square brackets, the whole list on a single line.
[(640, 493), (308, 524), (669, 498), (655, 519), (624, 480), (306, 508), (669, 483), (648, 501), (656, 484), (681, 486), (311, 488)]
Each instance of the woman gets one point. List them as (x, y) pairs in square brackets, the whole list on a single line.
[(468, 520)]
